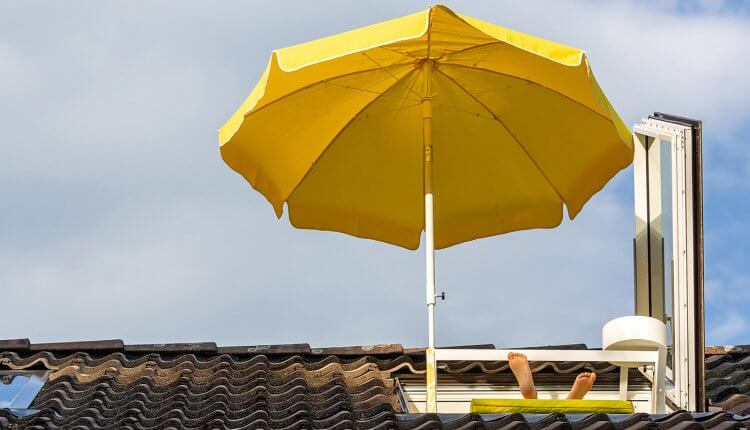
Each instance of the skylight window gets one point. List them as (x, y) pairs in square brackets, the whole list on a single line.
[(18, 389)]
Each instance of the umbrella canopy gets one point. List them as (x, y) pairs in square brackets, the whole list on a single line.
[(334, 129), (433, 122)]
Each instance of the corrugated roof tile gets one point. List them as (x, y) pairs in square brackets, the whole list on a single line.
[(109, 385)]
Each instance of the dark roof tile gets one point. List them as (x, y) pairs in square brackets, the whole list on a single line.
[(14, 344), (372, 350), (737, 404), (89, 346), (285, 349), (715, 360), (744, 362), (721, 392), (721, 370), (727, 375), (165, 348)]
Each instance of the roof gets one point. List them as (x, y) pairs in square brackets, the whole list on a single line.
[(107, 384), (728, 378)]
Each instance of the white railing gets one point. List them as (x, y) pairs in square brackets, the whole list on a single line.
[(624, 359)]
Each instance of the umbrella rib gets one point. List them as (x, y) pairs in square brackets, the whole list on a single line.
[(399, 52), (403, 101), (468, 112), (402, 107), (349, 87), (482, 69), (341, 130), (470, 48), (499, 121), (430, 19), (392, 75), (312, 84)]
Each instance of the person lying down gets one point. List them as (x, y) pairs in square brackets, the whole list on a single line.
[(519, 365)]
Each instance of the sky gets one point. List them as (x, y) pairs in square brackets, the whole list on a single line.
[(118, 218)]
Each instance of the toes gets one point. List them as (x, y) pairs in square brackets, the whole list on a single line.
[(590, 377)]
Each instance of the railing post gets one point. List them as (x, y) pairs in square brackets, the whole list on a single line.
[(624, 382), (658, 385)]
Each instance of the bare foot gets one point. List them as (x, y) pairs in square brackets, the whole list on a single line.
[(519, 365), (582, 385)]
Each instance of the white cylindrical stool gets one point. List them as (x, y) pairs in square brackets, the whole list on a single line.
[(639, 333), (634, 333)]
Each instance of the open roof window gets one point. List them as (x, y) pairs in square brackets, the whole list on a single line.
[(668, 246), (18, 389)]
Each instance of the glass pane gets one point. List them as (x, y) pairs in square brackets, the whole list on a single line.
[(19, 388), (665, 152)]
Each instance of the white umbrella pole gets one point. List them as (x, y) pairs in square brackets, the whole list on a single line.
[(431, 392)]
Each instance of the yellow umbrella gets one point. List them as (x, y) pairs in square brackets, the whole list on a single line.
[(356, 132)]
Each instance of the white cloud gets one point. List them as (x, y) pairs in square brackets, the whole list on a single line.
[(647, 56), (186, 270), (727, 294)]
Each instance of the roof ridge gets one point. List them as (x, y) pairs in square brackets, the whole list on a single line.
[(280, 349)]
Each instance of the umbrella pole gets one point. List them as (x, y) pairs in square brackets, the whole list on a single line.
[(429, 230)]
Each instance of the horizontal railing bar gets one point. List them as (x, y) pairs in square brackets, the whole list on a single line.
[(631, 358)]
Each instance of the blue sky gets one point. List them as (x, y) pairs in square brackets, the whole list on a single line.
[(119, 220)]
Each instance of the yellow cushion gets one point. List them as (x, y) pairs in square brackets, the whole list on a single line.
[(546, 406)]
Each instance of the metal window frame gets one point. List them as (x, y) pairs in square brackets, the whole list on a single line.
[(687, 248)]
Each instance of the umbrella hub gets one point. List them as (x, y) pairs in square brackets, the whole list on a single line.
[(419, 64)]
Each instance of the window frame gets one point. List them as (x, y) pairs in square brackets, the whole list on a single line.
[(687, 389)]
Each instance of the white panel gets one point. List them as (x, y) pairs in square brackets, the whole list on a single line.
[(641, 246)]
